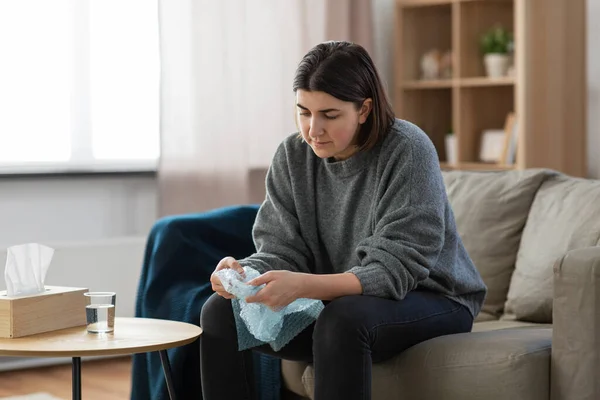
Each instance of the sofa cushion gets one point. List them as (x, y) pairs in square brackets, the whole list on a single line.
[(484, 317), (292, 371), (565, 215), (495, 365), (496, 325), (490, 209)]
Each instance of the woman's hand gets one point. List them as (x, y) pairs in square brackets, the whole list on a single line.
[(282, 288), (217, 286)]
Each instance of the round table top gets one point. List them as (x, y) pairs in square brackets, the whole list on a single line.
[(131, 336)]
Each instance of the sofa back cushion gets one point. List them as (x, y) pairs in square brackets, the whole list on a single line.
[(490, 209), (565, 215)]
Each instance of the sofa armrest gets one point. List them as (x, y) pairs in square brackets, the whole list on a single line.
[(575, 366)]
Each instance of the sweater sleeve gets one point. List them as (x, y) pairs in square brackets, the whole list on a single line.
[(276, 232), (410, 226)]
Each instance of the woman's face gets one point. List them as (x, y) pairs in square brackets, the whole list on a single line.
[(329, 125)]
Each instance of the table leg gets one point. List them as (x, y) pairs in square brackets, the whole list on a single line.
[(76, 381), (164, 359)]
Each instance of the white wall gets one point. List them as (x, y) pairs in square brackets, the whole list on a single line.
[(383, 11), (75, 208)]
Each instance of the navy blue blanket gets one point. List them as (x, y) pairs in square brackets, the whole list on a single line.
[(181, 253)]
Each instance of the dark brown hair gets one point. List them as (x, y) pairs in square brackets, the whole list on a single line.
[(345, 71)]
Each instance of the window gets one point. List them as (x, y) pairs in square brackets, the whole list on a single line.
[(79, 85)]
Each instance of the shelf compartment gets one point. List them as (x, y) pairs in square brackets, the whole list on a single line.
[(416, 42), (481, 108), (477, 18), (430, 110)]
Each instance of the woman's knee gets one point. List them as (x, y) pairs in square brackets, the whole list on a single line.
[(216, 315), (340, 318)]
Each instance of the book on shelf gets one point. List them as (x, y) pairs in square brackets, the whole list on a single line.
[(511, 140)]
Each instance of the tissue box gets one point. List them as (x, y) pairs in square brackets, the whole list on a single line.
[(58, 308)]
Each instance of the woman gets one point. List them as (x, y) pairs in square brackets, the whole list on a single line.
[(356, 215)]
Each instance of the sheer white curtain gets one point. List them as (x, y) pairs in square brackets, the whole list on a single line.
[(78, 85), (226, 89)]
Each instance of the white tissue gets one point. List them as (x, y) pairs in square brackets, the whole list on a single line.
[(26, 267)]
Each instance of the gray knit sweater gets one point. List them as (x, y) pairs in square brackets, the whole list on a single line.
[(382, 215)]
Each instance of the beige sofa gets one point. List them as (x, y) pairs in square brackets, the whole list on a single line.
[(534, 235)]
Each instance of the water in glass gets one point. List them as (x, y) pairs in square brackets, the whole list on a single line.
[(100, 318)]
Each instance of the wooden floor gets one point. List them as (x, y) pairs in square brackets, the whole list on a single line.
[(101, 380)]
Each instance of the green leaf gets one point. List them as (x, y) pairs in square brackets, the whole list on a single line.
[(496, 40)]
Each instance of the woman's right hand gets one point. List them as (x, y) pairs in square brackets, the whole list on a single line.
[(217, 286)]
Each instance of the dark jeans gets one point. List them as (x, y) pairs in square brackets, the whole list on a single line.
[(349, 335)]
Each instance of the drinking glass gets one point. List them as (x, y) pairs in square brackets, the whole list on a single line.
[(100, 311)]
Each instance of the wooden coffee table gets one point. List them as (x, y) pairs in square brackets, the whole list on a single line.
[(131, 336)]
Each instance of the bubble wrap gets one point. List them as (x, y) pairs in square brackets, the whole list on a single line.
[(256, 323)]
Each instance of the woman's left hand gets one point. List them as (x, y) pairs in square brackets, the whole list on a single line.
[(282, 288)]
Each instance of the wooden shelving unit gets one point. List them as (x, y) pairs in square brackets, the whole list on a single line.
[(476, 166), (483, 81), (547, 93), (429, 84), (459, 82)]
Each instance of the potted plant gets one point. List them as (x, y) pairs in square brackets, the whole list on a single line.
[(496, 46)]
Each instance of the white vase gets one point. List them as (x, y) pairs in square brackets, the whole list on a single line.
[(451, 149), (496, 65)]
